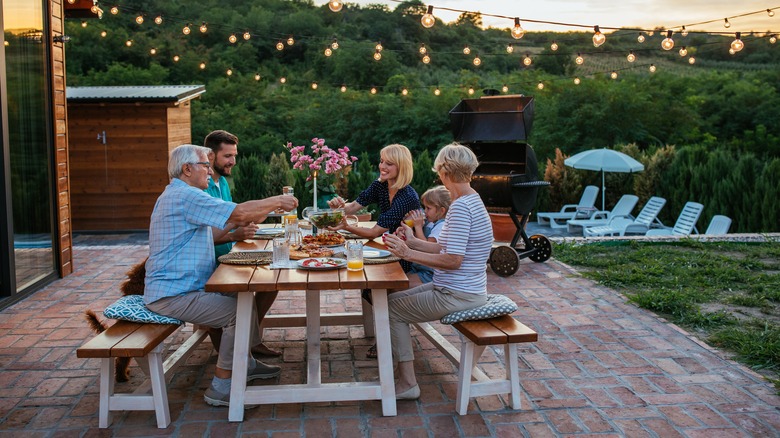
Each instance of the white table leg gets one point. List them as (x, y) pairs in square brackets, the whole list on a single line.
[(384, 352), (314, 375), (245, 306)]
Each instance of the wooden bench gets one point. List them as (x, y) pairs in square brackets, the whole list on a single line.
[(137, 340), (475, 336)]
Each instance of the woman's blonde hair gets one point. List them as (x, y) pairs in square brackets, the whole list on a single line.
[(438, 197), (399, 155), (457, 161)]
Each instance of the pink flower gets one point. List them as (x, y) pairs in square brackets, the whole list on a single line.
[(334, 160)]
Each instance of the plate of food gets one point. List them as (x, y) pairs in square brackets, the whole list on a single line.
[(321, 263), (269, 231), (325, 239), (309, 250), (374, 253)]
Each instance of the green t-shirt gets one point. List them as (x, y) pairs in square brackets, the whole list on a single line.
[(222, 192)]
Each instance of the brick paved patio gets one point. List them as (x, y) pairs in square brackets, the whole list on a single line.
[(601, 367)]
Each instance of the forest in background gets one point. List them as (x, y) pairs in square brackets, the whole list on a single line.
[(706, 132)]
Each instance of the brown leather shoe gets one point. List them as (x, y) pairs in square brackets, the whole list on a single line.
[(262, 350)]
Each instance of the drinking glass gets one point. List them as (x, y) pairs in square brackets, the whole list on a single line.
[(281, 252), (354, 255)]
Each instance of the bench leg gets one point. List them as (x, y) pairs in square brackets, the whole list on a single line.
[(513, 373), (159, 391), (467, 362), (106, 391)]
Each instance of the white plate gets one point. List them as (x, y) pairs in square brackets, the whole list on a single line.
[(269, 231), (340, 263), (371, 253)]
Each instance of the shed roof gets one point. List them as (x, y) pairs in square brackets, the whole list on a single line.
[(146, 93)]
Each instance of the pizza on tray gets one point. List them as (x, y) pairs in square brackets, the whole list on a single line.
[(327, 239), (306, 250)]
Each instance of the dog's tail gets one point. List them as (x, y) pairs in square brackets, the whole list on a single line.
[(93, 321)]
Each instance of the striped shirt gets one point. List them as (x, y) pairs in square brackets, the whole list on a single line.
[(181, 246), (467, 232)]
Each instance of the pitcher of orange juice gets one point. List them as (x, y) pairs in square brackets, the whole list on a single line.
[(354, 255)]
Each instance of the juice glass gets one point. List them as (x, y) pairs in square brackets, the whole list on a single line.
[(354, 255)]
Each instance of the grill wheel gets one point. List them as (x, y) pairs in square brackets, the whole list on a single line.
[(542, 246), (504, 261)]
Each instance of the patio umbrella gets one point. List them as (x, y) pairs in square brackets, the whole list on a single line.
[(605, 160)]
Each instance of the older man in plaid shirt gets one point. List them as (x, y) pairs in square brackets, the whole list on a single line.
[(181, 258)]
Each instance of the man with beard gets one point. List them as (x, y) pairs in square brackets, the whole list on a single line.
[(224, 147)]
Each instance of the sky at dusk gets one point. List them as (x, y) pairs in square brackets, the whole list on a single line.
[(644, 14)]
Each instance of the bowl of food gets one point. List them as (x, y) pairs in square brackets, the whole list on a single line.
[(326, 218)]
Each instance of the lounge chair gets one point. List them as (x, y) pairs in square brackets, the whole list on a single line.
[(686, 222), (583, 210), (623, 208), (620, 226), (719, 224)]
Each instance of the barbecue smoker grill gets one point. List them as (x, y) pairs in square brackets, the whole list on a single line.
[(495, 128)]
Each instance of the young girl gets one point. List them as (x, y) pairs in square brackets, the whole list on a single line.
[(436, 201)]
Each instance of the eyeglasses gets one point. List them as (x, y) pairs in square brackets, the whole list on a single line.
[(206, 165)]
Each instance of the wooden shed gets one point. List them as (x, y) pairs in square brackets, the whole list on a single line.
[(119, 140)]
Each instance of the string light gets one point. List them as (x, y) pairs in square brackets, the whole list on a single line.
[(684, 32), (613, 75), (328, 51), (540, 85), (477, 62), (436, 92), (683, 52), (691, 60), (426, 59), (335, 5), (737, 44), (466, 50), (176, 58), (726, 23), (598, 37), (373, 90), (405, 92), (640, 38), (139, 19), (129, 43), (72, 1), (577, 81), (279, 45), (152, 51), (247, 35), (114, 9), (428, 20), (104, 33), (668, 42), (290, 40), (186, 29), (257, 76), (527, 60), (423, 50), (377, 55), (83, 23), (770, 12), (510, 48), (203, 28), (379, 47), (229, 72), (343, 88), (314, 85), (631, 57), (731, 51), (471, 91), (579, 59), (772, 39), (652, 68), (517, 31), (335, 44), (505, 89), (554, 46), (232, 38), (158, 19), (283, 80), (202, 65)]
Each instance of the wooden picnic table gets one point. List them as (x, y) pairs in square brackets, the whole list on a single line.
[(247, 280)]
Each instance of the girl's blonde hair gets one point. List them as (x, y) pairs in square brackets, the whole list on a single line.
[(399, 155), (438, 197)]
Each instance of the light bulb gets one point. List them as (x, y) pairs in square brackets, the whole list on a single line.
[(428, 20), (314, 85), (404, 91), (103, 34), (652, 68), (229, 72), (283, 80), (640, 38), (683, 51), (129, 43), (577, 81), (203, 28), (505, 89), (668, 42), (517, 31), (466, 50), (202, 65), (731, 51), (185, 30), (343, 88), (554, 46), (232, 38), (152, 51), (726, 23), (379, 47), (328, 51), (426, 59), (436, 92), (114, 10), (139, 19), (691, 60), (684, 32), (540, 85), (247, 35), (176, 58), (613, 75), (579, 59), (279, 45), (510, 48), (72, 1), (477, 62), (158, 19), (334, 45), (373, 90), (598, 37), (290, 40), (772, 39), (423, 50), (737, 44), (83, 24), (527, 60), (631, 57), (770, 12), (377, 55), (335, 5), (257, 76), (471, 91)]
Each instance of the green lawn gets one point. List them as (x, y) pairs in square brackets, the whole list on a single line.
[(727, 293)]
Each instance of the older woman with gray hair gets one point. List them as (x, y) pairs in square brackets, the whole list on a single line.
[(459, 260)]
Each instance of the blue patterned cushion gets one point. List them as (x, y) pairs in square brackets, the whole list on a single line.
[(132, 308), (496, 305)]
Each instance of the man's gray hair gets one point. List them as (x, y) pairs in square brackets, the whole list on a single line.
[(185, 154)]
